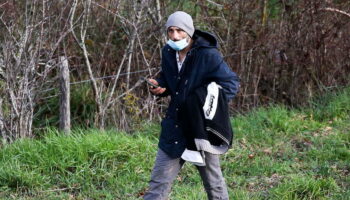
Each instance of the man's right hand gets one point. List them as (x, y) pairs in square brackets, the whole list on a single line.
[(158, 90)]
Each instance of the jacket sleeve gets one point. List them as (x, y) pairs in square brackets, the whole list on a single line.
[(224, 76)]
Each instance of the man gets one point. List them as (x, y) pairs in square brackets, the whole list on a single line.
[(189, 60)]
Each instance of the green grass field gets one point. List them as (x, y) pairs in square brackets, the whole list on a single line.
[(277, 153)]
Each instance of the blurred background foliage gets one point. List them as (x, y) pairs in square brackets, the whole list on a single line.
[(285, 51)]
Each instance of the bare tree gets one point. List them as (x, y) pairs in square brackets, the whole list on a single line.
[(24, 70), (131, 29)]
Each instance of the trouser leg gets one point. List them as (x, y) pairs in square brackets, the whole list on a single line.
[(212, 178), (164, 172)]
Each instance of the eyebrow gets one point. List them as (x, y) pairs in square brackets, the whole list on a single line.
[(174, 28)]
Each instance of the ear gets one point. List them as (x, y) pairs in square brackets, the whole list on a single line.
[(188, 38)]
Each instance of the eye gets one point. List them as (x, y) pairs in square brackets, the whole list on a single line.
[(179, 30)]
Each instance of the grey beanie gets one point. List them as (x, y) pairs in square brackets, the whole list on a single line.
[(182, 20)]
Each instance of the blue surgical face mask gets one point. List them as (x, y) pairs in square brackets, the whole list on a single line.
[(178, 45)]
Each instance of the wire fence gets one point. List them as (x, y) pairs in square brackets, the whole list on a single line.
[(99, 78), (127, 73)]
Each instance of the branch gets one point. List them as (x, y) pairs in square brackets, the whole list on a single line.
[(3, 4), (123, 20), (108, 101), (336, 10), (83, 31), (215, 4), (9, 31), (72, 13), (137, 84)]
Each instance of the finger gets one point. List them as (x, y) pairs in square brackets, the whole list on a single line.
[(154, 89), (158, 90), (153, 81), (162, 90)]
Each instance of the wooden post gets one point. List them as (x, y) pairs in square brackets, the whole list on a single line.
[(64, 95)]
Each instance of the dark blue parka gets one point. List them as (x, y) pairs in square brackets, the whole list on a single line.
[(203, 64)]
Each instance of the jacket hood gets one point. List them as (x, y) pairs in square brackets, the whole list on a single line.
[(204, 39)]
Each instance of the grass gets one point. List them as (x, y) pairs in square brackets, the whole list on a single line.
[(277, 153)]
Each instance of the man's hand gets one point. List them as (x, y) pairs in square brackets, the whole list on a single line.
[(158, 90)]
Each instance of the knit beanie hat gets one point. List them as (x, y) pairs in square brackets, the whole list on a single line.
[(182, 20)]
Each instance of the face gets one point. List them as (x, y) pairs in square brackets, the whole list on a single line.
[(176, 34)]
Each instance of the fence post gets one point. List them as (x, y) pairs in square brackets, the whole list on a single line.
[(64, 95)]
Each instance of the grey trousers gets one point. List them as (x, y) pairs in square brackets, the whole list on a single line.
[(166, 169)]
